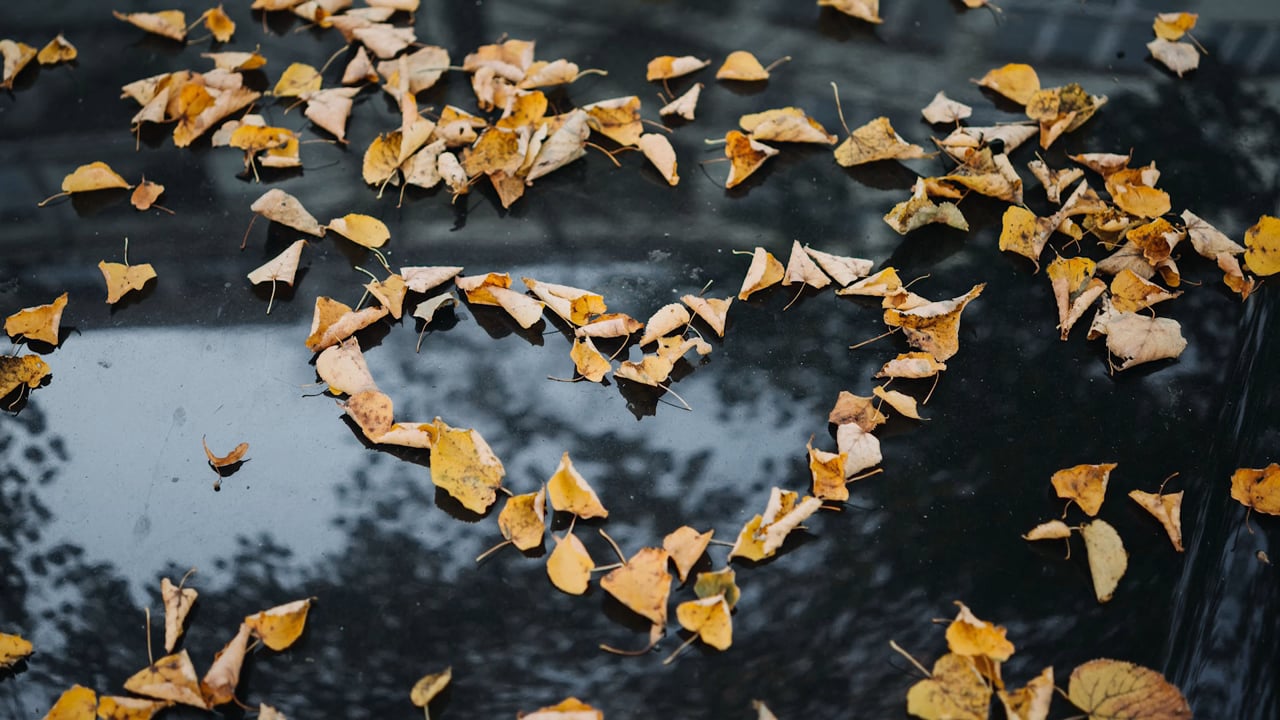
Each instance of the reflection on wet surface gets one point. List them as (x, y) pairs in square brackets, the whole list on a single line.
[(104, 486)]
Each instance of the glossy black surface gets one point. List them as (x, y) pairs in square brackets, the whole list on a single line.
[(104, 486)]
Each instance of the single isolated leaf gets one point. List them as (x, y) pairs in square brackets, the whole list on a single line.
[(742, 65), (1172, 26), (1180, 57), (177, 604), (685, 105), (642, 584), (523, 519), (231, 458), (1084, 484), (146, 194), (1016, 81), (281, 268), (1030, 702), (76, 703), (166, 23), (171, 678), (955, 691), (1118, 690), (1138, 339), (746, 155), (93, 176), (13, 648), (788, 124), (935, 327), (709, 618), (282, 625), (765, 271), (464, 466), (429, 686), (568, 709), (279, 206), (971, 637), (868, 10), (361, 229), (569, 492), (1258, 488), (123, 278), (1107, 557), (58, 50), (686, 546), (16, 56), (1263, 246), (39, 323), (1165, 508), (1051, 530), (943, 109), (875, 141), (219, 684), (16, 371), (664, 67), (569, 565), (657, 149), (219, 24)]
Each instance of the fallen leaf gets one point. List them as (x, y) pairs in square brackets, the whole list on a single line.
[(742, 65), (1138, 339), (1165, 508), (1130, 293), (282, 268), (954, 691), (429, 686), (332, 322), (476, 287), (464, 466), (801, 268), (523, 519), (913, 365), (569, 566), (39, 323), (423, 278), (935, 327), (919, 211), (686, 546), (610, 325), (685, 105), (868, 10), (1172, 26), (569, 709), (843, 270), (568, 491), (114, 707), (93, 176), (762, 711), (1051, 530), (219, 24), (589, 361), (330, 109), (713, 311), (279, 206), (1206, 239), (57, 51), (657, 149), (361, 229), (177, 604), (664, 67), (903, 404), (1133, 191), (788, 124), (709, 618), (761, 537), (1180, 57), (1062, 110), (943, 109), (166, 23), (219, 683), (266, 712), (122, 278), (721, 582), (642, 584), (231, 458), (360, 69), (860, 448), (1107, 557), (827, 471), (875, 141), (765, 271), (1258, 488), (1054, 181), (280, 626), (1262, 241), (16, 56), (1115, 690), (426, 309), (145, 195), (16, 371), (14, 649), (971, 637), (1075, 289), (1016, 81), (666, 320), (383, 40), (76, 703), (861, 411), (389, 293), (1086, 485), (746, 155), (171, 678), (617, 119), (1030, 702)]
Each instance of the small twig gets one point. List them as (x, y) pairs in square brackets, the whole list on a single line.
[(607, 154), (839, 111), (613, 544), (871, 340), (660, 126), (931, 389), (680, 649), (150, 658), (492, 550), (898, 649), (776, 63), (333, 57), (866, 474), (676, 395), (272, 300)]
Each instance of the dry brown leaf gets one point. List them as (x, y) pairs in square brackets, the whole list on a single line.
[(617, 119), (1234, 277), (39, 323), (177, 604), (1115, 690), (862, 411), (987, 173), (1165, 508), (919, 211), (828, 475), (1061, 110), (875, 141)]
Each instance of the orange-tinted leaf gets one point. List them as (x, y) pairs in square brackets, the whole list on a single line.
[(742, 65), (115, 707), (765, 271), (1085, 484), (1016, 81), (617, 119), (745, 156), (280, 626), (850, 408), (1165, 508), (568, 491), (569, 709), (38, 323), (827, 469), (75, 703), (569, 566), (171, 678), (1258, 488), (1233, 276), (16, 371), (464, 466), (123, 278), (334, 322), (145, 195), (969, 636), (1172, 26), (642, 584), (58, 50), (219, 24), (522, 520)]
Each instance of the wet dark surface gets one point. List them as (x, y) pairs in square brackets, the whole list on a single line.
[(104, 486)]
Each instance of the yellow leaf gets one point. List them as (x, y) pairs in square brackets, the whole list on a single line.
[(38, 323), (123, 278), (1024, 233), (1118, 690), (94, 176), (219, 684), (568, 491), (477, 287), (1254, 488), (58, 50), (522, 520), (969, 636), (114, 707), (1074, 287), (935, 327), (16, 56), (903, 404), (171, 678), (713, 311), (1016, 81), (75, 703), (827, 469), (297, 80), (17, 371), (709, 618), (13, 648), (642, 584), (742, 65), (569, 566), (1085, 484), (177, 604), (955, 691), (430, 686), (588, 361), (761, 537), (686, 546), (875, 141), (1107, 557), (1051, 530), (219, 24), (361, 230), (745, 156), (1130, 293), (332, 322), (166, 23), (1263, 246), (765, 271), (464, 466), (1172, 26), (668, 66), (617, 119), (389, 293), (919, 210), (1165, 508), (1031, 702), (280, 626), (569, 709)]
